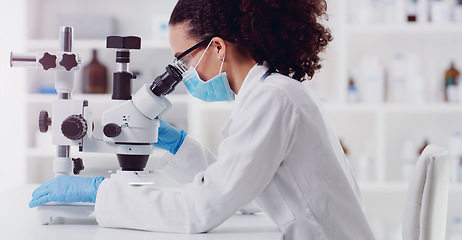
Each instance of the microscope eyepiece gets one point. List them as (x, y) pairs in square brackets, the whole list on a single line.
[(166, 83)]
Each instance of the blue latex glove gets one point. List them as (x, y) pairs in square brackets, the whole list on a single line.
[(66, 189), (169, 138)]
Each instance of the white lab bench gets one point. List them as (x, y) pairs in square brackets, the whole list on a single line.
[(18, 221)]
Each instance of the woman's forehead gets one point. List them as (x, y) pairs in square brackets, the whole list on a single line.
[(179, 38)]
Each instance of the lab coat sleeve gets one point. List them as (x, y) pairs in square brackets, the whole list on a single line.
[(181, 167), (260, 137)]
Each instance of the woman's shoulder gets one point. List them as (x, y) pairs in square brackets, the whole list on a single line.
[(293, 89)]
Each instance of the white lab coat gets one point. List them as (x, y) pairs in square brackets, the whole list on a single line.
[(279, 149)]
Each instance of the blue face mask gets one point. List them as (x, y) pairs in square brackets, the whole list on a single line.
[(214, 90)]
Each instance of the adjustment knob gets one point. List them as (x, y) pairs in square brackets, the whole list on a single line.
[(112, 130), (48, 61), (44, 121), (69, 61), (74, 127), (78, 165)]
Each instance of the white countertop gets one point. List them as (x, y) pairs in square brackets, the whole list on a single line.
[(20, 222)]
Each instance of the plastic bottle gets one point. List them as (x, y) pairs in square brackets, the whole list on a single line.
[(361, 12), (390, 9), (95, 76), (451, 84), (457, 12), (365, 168), (372, 80), (409, 158), (397, 85), (455, 153), (440, 11), (416, 85)]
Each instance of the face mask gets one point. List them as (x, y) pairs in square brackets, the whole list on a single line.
[(214, 90)]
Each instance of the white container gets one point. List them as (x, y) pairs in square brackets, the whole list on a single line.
[(390, 11), (423, 11), (361, 12), (457, 13), (440, 11), (397, 85), (365, 169), (372, 80), (455, 153), (409, 158), (416, 82)]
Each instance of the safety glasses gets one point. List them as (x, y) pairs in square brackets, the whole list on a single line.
[(185, 59)]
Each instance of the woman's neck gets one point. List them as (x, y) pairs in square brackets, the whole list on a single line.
[(238, 72)]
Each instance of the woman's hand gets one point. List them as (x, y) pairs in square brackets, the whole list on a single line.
[(66, 189), (169, 138)]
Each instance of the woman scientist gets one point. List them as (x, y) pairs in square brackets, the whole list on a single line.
[(279, 149)]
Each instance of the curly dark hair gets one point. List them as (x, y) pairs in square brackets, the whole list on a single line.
[(286, 34)]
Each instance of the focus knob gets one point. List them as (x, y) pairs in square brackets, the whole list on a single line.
[(78, 165), (44, 121), (48, 61), (74, 127), (69, 61), (112, 130)]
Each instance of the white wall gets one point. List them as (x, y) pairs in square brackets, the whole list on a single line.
[(12, 96)]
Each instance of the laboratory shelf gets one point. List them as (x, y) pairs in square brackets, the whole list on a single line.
[(383, 187), (396, 107), (48, 98), (88, 44), (409, 29), (398, 187), (97, 98), (50, 152)]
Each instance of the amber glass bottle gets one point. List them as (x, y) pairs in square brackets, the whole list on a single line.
[(95, 76), (451, 82)]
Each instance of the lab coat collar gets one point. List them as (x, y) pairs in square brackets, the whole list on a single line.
[(252, 79)]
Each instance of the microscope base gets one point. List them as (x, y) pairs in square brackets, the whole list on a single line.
[(52, 212)]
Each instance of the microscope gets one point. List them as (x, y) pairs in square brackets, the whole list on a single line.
[(129, 126)]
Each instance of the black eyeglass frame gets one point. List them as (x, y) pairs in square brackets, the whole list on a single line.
[(205, 41)]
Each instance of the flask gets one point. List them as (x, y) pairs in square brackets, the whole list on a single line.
[(451, 82), (95, 76)]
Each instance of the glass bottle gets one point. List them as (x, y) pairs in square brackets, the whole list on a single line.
[(95, 76), (451, 82), (411, 10), (352, 95)]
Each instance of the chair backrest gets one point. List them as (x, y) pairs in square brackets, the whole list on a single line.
[(425, 212)]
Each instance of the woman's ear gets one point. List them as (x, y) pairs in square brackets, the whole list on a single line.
[(219, 47)]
